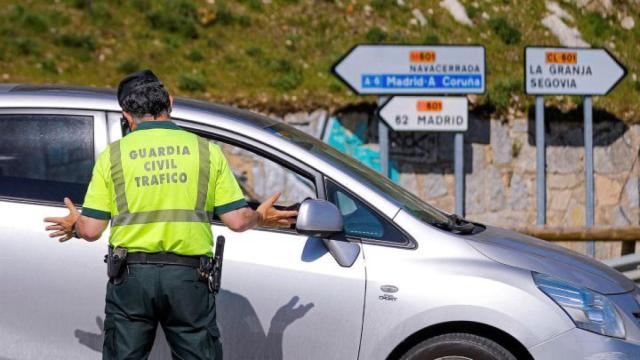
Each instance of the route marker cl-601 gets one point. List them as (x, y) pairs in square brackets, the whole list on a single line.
[(571, 71)]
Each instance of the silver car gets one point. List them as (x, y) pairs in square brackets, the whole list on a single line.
[(371, 272)]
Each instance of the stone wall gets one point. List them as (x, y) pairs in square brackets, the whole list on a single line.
[(500, 167)]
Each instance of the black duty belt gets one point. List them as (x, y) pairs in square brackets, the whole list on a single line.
[(163, 258)]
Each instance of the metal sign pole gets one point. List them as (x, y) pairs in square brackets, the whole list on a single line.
[(588, 169), (541, 194), (383, 141), (459, 172)]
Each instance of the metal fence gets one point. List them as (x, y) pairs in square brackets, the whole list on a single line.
[(627, 264)]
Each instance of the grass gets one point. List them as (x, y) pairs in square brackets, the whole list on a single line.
[(376, 35), (194, 82), (505, 31), (265, 54)]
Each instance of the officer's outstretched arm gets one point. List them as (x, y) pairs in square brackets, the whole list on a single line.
[(87, 228), (266, 215)]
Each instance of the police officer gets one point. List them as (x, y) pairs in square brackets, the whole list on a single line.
[(159, 186)]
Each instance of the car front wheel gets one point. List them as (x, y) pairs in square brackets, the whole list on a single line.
[(458, 346)]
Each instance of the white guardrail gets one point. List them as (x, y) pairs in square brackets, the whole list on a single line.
[(629, 265)]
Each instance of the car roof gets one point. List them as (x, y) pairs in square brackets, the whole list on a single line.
[(105, 99), (23, 96)]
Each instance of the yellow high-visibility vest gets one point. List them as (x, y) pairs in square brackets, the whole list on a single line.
[(160, 186)]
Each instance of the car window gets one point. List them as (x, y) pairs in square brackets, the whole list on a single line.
[(45, 157), (260, 177), (359, 219)]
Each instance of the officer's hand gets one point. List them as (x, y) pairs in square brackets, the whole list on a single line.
[(272, 217), (63, 226)]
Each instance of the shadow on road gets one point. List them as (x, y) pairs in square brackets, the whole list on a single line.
[(243, 336)]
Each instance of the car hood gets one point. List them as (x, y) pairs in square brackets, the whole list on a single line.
[(526, 252)]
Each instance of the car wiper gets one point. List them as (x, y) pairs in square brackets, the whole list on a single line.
[(457, 224)]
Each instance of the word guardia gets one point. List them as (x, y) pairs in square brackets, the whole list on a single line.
[(161, 165)]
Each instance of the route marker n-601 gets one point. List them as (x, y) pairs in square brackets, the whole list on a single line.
[(413, 69), (426, 113)]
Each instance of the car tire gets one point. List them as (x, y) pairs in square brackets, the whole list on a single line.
[(458, 346)]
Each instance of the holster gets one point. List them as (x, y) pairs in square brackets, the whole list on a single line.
[(210, 269), (116, 260), (206, 271)]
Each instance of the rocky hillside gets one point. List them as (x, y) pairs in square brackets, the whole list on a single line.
[(275, 55)]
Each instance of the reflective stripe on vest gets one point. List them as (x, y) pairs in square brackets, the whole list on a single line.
[(117, 176), (176, 215), (125, 217), (203, 173)]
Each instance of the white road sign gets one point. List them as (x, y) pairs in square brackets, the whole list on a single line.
[(413, 69), (571, 71), (426, 113)]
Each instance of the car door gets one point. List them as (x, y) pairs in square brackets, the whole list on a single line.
[(52, 294), (283, 294)]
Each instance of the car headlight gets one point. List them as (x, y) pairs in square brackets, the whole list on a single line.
[(588, 309)]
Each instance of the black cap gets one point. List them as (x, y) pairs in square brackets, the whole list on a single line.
[(136, 81)]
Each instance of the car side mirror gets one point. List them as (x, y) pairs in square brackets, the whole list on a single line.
[(319, 218)]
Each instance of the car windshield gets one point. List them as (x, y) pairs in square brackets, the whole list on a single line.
[(408, 201)]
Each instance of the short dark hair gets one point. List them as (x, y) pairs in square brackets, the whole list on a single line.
[(148, 98)]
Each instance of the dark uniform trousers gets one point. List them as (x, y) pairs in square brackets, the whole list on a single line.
[(171, 295)]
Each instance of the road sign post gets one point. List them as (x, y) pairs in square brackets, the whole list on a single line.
[(417, 70), (569, 71), (588, 169), (541, 193), (383, 141), (458, 165)]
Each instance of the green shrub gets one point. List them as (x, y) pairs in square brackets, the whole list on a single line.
[(81, 4), (499, 95), (192, 82), (254, 52), (177, 17), (335, 86), (224, 16), (380, 5), (49, 66), (243, 20), (255, 5), (172, 41), (288, 81), (84, 41), (278, 65), (140, 5), (516, 148), (431, 39), (101, 13), (598, 25), (195, 55), (27, 46), (376, 35), (57, 18), (128, 66), (507, 33), (229, 59), (472, 11), (28, 19)]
